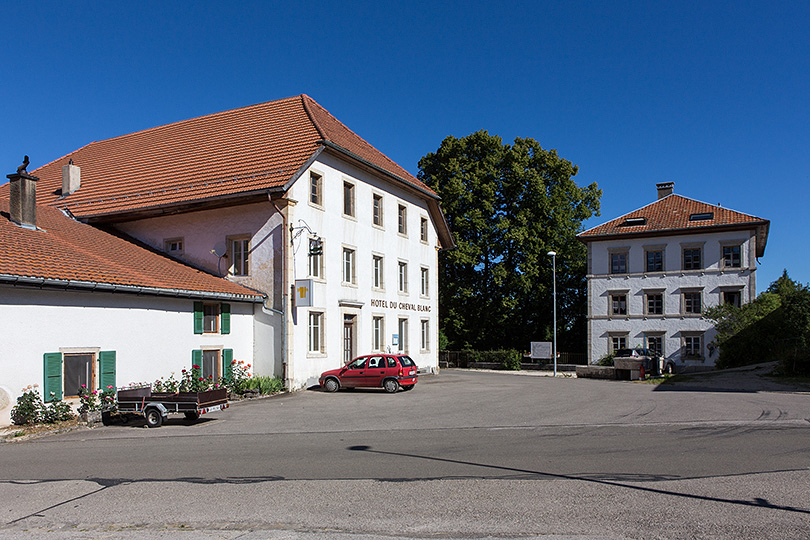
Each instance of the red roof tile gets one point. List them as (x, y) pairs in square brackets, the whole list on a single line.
[(673, 214), (63, 249), (252, 149)]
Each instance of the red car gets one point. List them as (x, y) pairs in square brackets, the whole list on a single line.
[(389, 371)]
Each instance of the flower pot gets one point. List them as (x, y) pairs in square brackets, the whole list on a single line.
[(91, 417)]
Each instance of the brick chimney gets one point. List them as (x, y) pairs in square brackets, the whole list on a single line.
[(71, 178), (23, 198), (665, 188)]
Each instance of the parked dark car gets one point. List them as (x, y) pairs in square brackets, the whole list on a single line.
[(388, 371)]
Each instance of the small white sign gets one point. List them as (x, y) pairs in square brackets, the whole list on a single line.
[(303, 293), (542, 350), (394, 339)]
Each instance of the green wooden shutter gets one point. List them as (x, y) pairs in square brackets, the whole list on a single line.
[(198, 317), (106, 369), (225, 316), (53, 376), (196, 358), (227, 367)]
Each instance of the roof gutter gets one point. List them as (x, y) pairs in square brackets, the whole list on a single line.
[(28, 281)]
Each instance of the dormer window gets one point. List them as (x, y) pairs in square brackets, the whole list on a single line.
[(702, 216)]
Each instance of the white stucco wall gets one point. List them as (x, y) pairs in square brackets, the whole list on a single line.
[(712, 281), (330, 294), (153, 336)]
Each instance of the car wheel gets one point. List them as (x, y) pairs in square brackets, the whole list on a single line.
[(390, 386), (331, 385), (407, 387), (153, 417)]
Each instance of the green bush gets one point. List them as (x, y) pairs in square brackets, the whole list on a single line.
[(57, 411), (29, 408), (508, 359), (265, 385), (606, 360)]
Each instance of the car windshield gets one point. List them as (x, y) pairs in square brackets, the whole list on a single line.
[(406, 361)]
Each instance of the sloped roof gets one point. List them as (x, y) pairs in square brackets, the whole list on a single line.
[(65, 253), (253, 149), (675, 214)]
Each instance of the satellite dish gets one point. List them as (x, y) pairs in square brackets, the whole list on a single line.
[(220, 249)]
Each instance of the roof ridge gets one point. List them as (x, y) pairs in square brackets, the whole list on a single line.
[(305, 99)]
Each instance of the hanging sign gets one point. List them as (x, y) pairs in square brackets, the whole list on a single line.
[(303, 292)]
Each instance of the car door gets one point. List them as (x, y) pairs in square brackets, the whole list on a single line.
[(355, 373), (375, 371)]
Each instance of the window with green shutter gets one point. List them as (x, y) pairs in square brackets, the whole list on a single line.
[(198, 317), (225, 316), (106, 369), (227, 367), (53, 376)]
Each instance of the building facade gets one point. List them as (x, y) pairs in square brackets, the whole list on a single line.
[(653, 272), (283, 199)]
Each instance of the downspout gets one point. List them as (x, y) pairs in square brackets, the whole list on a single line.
[(285, 299)]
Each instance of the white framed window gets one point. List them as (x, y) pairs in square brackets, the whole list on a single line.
[(210, 318), (239, 255), (618, 304), (425, 331), (173, 246), (402, 328), (315, 263), (377, 210), (316, 320), (377, 272), (315, 189), (402, 276), (423, 230), (348, 266), (424, 281), (348, 199), (402, 219), (377, 333)]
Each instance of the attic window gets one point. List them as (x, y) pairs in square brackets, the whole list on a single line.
[(630, 222), (703, 216)]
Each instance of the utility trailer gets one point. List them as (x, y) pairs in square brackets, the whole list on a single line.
[(156, 406)]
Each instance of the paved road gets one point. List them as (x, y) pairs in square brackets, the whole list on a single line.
[(463, 455)]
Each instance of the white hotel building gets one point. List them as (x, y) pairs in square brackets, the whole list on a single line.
[(280, 198), (653, 272)]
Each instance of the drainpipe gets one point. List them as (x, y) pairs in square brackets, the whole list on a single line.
[(286, 298)]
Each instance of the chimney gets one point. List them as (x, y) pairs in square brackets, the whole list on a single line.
[(23, 197), (665, 188), (71, 178)]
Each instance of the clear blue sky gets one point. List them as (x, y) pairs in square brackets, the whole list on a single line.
[(714, 96)]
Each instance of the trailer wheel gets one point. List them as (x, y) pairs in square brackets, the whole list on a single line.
[(153, 417), (192, 415)]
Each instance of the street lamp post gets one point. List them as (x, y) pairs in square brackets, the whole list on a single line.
[(554, 296)]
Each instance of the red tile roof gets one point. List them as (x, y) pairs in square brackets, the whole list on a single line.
[(249, 150), (65, 250), (671, 215)]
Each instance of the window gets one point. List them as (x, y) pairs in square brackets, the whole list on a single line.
[(618, 304), (423, 230), (732, 257), (655, 343), (618, 263), (617, 341), (377, 333), (425, 342), (316, 257), (377, 205), (348, 199), (403, 335), (692, 346), (213, 363), (655, 261), (692, 259), (348, 266), (377, 272), (692, 302), (655, 303), (212, 318), (79, 372), (210, 364), (402, 276), (64, 375), (732, 297), (402, 219), (239, 253), (315, 332), (173, 246), (425, 281), (315, 188), (701, 216)]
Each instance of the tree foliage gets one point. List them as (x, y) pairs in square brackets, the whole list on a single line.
[(507, 207), (775, 326)]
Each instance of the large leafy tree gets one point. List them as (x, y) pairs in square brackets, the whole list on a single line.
[(508, 206)]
